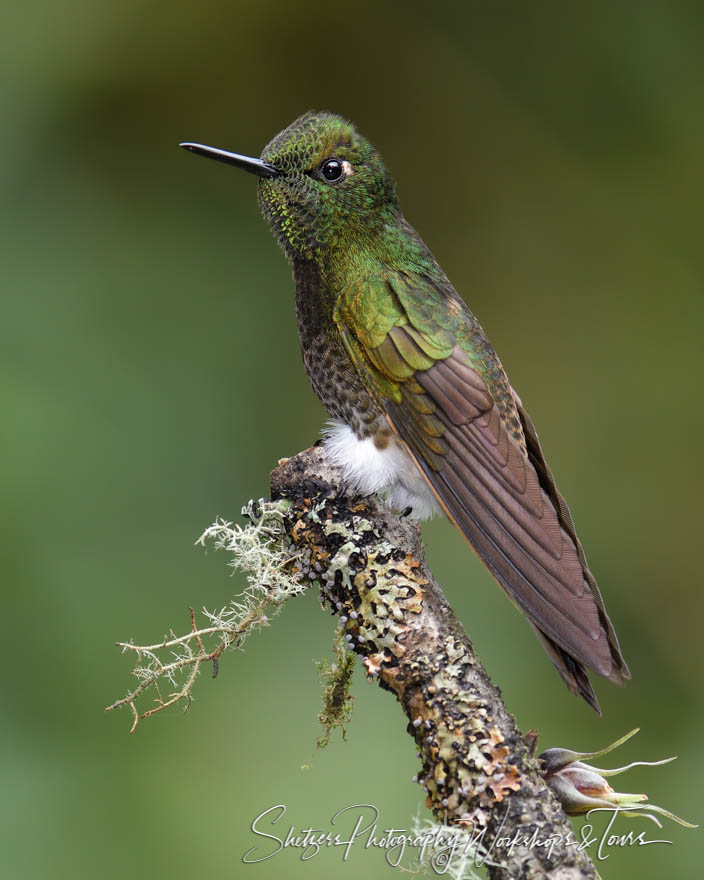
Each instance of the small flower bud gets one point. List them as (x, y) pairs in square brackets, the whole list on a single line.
[(580, 787)]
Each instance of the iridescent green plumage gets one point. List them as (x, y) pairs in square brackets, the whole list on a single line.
[(421, 401)]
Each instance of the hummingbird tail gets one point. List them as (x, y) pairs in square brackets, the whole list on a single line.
[(573, 673)]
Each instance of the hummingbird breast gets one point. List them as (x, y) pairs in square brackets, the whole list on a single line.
[(359, 439), (329, 368)]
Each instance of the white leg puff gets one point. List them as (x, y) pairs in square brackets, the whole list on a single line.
[(389, 471)]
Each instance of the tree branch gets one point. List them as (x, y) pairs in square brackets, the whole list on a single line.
[(477, 769)]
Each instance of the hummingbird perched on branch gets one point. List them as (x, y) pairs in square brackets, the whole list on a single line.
[(422, 410)]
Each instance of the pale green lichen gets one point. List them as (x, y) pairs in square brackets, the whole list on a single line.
[(452, 851), (263, 551)]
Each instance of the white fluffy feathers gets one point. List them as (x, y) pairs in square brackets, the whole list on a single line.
[(390, 471)]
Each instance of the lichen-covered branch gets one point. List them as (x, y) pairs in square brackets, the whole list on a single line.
[(479, 773), (477, 769)]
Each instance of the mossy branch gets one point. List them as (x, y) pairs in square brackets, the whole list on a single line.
[(478, 771)]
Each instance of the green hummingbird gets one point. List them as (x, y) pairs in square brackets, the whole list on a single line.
[(421, 408)]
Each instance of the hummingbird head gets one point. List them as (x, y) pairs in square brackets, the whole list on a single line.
[(332, 187), (322, 185)]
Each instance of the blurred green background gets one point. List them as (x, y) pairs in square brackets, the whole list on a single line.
[(551, 156)]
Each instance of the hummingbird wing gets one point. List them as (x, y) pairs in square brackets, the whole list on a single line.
[(423, 356)]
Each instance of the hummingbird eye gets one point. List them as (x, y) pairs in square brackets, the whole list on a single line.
[(332, 170)]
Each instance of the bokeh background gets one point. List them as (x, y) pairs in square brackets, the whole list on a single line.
[(551, 156)]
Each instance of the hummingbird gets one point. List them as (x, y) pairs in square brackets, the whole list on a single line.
[(421, 408)]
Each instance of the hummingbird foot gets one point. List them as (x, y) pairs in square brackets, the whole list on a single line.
[(343, 490)]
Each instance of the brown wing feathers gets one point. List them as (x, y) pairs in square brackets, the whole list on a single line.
[(620, 672), (505, 502)]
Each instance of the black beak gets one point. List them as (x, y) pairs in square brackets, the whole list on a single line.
[(254, 166)]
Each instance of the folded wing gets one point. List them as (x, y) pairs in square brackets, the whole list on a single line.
[(480, 454)]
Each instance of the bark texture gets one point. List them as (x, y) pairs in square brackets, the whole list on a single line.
[(477, 768)]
